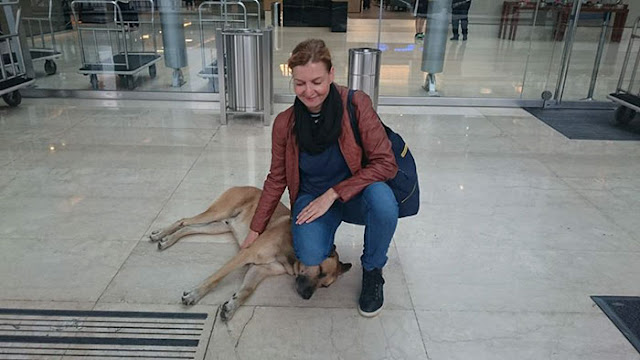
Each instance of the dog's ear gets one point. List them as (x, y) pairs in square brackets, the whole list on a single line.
[(344, 267)]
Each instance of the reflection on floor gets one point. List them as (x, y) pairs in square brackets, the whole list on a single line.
[(484, 66), (518, 227)]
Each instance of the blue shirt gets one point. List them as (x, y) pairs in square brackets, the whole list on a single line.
[(320, 172)]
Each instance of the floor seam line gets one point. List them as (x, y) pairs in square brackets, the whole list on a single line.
[(156, 217)]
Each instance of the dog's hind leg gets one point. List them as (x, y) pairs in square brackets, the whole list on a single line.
[(228, 205), (217, 227), (254, 276), (200, 219)]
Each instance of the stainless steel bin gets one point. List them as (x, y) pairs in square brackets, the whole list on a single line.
[(247, 86), (364, 71)]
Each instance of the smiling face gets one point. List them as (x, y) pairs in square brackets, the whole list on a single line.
[(311, 83)]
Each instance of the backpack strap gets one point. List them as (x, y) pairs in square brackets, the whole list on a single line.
[(352, 117), (354, 125)]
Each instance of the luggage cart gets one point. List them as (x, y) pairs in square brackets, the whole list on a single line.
[(13, 75), (225, 20), (125, 27), (44, 25), (627, 99)]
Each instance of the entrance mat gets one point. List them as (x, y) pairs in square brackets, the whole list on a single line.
[(103, 334), (624, 312), (587, 124)]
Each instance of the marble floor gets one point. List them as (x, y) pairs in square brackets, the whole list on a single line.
[(518, 227), (483, 67)]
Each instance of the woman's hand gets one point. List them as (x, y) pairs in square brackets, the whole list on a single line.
[(250, 239), (317, 207)]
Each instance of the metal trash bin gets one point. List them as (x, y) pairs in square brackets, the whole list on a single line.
[(247, 85), (364, 71)]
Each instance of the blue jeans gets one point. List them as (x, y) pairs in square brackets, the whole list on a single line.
[(375, 207)]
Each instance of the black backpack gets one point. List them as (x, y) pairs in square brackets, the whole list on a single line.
[(405, 185)]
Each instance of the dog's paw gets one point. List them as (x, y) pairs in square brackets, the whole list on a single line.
[(166, 242), (155, 235), (227, 311), (190, 297), (163, 244)]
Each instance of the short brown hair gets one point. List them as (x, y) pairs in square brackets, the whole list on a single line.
[(311, 50)]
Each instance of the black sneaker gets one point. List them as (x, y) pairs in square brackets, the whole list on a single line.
[(464, 37), (454, 38), (371, 296)]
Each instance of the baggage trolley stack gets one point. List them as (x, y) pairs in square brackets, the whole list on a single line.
[(13, 75), (626, 97), (123, 26), (221, 19), (40, 50)]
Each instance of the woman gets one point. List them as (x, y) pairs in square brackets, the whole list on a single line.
[(315, 155)]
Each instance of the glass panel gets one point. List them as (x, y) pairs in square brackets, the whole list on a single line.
[(93, 46), (361, 31), (591, 34), (545, 49), (491, 63)]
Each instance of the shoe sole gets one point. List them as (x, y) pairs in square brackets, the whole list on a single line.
[(370, 314)]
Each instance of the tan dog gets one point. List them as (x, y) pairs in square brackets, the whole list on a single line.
[(272, 253)]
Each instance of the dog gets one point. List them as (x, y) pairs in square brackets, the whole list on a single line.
[(270, 255)]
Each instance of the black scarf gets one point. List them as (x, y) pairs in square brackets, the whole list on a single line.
[(317, 134)]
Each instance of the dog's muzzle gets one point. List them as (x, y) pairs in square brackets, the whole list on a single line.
[(304, 287)]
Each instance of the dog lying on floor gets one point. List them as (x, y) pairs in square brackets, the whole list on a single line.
[(272, 253)]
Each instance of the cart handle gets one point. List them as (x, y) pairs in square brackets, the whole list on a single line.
[(18, 16)]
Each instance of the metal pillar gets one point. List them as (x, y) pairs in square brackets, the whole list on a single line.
[(175, 47), (435, 42), (276, 10)]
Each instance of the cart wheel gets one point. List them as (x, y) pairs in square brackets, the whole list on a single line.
[(623, 116), (130, 82), (153, 71), (13, 98), (50, 67), (93, 78)]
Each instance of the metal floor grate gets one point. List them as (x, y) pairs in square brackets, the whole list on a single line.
[(52, 334)]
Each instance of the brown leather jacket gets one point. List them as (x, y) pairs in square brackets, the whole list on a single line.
[(284, 170)]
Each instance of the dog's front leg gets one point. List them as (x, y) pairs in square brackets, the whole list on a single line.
[(244, 257), (254, 276)]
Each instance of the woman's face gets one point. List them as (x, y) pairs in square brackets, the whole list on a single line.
[(311, 83)]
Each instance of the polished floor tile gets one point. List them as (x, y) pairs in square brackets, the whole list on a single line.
[(55, 269), (290, 332), (456, 278), (525, 335)]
